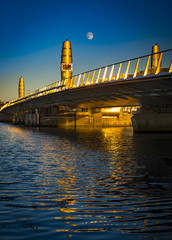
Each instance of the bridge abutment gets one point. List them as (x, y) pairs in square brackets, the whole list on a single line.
[(88, 117), (27, 119), (153, 119), (32, 119), (79, 118)]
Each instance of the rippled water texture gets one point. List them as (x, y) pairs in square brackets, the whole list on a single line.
[(84, 184)]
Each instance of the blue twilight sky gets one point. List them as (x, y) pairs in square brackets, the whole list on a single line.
[(32, 33)]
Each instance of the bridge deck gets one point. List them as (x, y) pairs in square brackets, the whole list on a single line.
[(149, 90), (129, 83)]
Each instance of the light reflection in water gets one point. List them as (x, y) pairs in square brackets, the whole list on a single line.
[(84, 181)]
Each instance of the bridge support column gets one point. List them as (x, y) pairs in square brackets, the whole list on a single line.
[(27, 119), (32, 119), (156, 119), (95, 116), (97, 119), (19, 119), (91, 118)]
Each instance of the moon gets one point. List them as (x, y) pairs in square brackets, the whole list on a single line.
[(89, 35)]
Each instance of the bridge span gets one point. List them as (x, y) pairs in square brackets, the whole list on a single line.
[(134, 82), (152, 90)]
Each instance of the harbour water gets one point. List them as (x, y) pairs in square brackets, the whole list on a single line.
[(84, 184)]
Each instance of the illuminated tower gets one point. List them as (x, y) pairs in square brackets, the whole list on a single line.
[(21, 91), (155, 57), (66, 61)]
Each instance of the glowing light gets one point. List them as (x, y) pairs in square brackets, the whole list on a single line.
[(119, 69), (79, 78), (147, 65), (105, 71), (114, 109), (98, 75), (159, 65), (87, 78), (111, 72), (170, 69), (136, 68), (126, 73), (93, 76)]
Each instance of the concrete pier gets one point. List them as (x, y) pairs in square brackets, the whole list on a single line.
[(61, 117), (152, 120), (28, 119), (91, 118)]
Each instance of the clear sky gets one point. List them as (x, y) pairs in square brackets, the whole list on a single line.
[(32, 33)]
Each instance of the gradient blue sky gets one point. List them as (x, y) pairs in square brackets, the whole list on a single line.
[(32, 33)]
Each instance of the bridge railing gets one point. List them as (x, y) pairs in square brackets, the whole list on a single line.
[(144, 66)]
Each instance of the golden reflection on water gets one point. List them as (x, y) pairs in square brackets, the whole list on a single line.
[(91, 180), (116, 143)]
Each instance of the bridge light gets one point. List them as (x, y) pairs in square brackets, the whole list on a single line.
[(79, 78), (87, 78), (114, 109), (126, 73), (98, 75), (83, 79), (92, 79), (74, 81), (159, 65), (119, 69), (136, 68), (111, 72), (147, 66), (71, 83), (170, 69), (104, 75)]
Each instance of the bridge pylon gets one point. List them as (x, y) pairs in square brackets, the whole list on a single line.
[(21, 89), (66, 61)]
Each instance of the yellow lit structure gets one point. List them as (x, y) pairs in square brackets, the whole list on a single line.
[(114, 109), (104, 75), (136, 68), (111, 72), (98, 75), (21, 89), (155, 57), (118, 73), (126, 73), (170, 69), (66, 62), (147, 66)]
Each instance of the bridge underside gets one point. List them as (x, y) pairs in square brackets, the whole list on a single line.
[(149, 90), (152, 93)]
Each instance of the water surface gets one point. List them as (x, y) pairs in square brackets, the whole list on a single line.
[(84, 184)]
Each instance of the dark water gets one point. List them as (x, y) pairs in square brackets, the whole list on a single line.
[(84, 184)]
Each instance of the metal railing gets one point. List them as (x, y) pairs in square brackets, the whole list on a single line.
[(126, 70)]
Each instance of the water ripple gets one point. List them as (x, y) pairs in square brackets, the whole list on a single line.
[(97, 184)]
